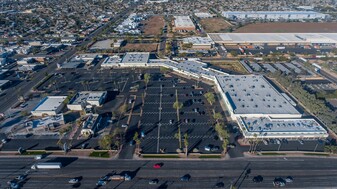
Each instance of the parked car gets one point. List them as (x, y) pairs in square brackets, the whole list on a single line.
[(279, 182), (208, 148), (215, 148), (153, 181), (258, 179), (132, 142), (220, 185), (289, 179)]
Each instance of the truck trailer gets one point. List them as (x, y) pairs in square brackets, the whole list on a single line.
[(47, 165)]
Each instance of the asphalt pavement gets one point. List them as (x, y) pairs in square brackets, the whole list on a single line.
[(306, 173)]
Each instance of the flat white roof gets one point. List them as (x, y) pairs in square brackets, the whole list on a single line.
[(183, 21), (253, 94), (50, 103), (111, 61), (136, 57), (274, 37), (85, 96), (267, 127), (203, 14), (199, 40), (270, 12)]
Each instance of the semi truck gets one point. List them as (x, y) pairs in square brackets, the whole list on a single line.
[(47, 165)]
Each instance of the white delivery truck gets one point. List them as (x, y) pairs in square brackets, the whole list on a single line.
[(47, 165)]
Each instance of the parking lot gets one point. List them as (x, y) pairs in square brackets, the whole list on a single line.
[(159, 117)]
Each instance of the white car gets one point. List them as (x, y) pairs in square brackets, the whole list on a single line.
[(73, 181), (4, 141)]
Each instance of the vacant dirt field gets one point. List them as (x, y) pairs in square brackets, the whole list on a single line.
[(214, 25), (153, 25), (229, 66), (288, 27), (146, 47)]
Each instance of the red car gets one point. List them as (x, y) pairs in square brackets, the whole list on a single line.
[(157, 165)]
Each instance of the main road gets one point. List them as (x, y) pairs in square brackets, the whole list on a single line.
[(306, 172)]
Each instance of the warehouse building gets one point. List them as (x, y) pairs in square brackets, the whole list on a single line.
[(324, 39), (183, 24), (135, 59), (273, 15), (199, 42), (111, 61), (50, 105)]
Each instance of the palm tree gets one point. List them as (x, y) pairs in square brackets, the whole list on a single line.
[(137, 140), (177, 105), (186, 143), (147, 78)]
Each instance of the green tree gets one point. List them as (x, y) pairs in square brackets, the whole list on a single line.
[(137, 140), (105, 142), (122, 109), (210, 97), (217, 116), (147, 78), (177, 105)]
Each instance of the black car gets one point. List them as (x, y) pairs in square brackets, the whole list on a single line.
[(220, 185), (186, 177), (258, 179)]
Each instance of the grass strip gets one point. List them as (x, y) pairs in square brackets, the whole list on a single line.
[(100, 154)]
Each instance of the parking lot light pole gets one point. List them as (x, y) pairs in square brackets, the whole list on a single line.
[(279, 146)]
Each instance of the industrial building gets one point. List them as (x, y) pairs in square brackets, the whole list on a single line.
[(50, 105), (203, 15), (183, 24), (199, 42), (82, 99), (135, 59), (273, 15), (111, 61), (253, 96), (324, 39)]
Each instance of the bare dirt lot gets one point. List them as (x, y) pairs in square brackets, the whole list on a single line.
[(288, 27), (146, 47), (153, 25), (213, 25), (229, 66)]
